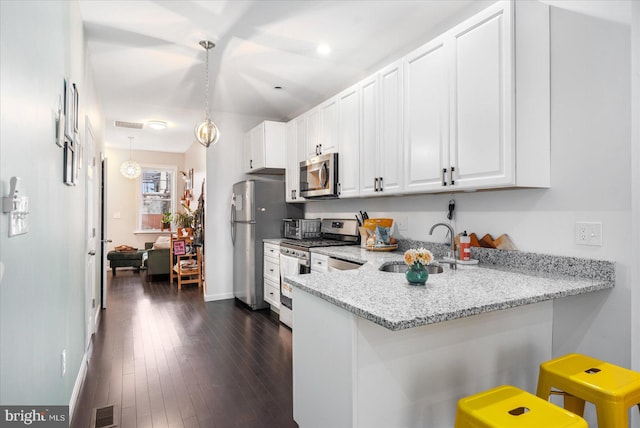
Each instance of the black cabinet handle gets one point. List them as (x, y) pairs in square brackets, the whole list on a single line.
[(380, 181), (444, 176)]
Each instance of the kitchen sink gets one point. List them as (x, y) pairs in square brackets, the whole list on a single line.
[(401, 267)]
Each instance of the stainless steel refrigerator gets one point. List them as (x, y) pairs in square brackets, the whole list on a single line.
[(257, 210)]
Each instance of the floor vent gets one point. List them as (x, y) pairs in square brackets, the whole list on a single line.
[(123, 124), (104, 417)]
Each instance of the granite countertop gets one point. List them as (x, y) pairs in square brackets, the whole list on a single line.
[(272, 241), (388, 300)]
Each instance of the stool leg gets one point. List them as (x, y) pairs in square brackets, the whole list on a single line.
[(544, 387), (574, 404), (612, 416)]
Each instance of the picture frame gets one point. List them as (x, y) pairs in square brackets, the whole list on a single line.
[(60, 128), (68, 164), (179, 248), (75, 100), (68, 111)]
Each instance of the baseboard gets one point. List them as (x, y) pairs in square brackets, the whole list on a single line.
[(77, 387), (218, 296)]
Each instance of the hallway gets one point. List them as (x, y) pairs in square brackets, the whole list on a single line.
[(167, 359)]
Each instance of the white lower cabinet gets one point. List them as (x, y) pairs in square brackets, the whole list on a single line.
[(319, 263), (271, 275)]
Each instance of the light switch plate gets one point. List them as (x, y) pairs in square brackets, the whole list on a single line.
[(589, 233)]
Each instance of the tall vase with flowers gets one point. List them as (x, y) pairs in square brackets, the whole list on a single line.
[(417, 259)]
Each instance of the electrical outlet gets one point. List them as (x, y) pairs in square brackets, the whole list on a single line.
[(63, 362), (402, 222), (589, 233)]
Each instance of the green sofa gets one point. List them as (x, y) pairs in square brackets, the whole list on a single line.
[(157, 261)]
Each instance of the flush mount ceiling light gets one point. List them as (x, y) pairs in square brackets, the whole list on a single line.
[(323, 49), (207, 132), (130, 169), (157, 124)]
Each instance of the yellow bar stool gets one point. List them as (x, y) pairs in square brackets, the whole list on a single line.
[(612, 389), (507, 406)]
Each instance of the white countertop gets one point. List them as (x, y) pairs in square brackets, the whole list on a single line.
[(388, 300)]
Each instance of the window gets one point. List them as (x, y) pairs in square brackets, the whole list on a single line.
[(157, 189)]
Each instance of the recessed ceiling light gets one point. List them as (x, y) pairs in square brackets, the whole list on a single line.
[(323, 49), (157, 124)]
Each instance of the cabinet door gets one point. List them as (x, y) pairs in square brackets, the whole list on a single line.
[(319, 263), (246, 158), (257, 136), (482, 140), (329, 126), (349, 142), (426, 136), (292, 172), (369, 140), (390, 142), (312, 127)]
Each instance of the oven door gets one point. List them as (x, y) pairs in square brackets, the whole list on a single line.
[(289, 266)]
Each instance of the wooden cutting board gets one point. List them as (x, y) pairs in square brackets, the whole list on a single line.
[(503, 242), (487, 241)]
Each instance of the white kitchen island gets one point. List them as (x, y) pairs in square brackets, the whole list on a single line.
[(369, 350)]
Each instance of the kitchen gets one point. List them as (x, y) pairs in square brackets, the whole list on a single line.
[(540, 220), (591, 179)]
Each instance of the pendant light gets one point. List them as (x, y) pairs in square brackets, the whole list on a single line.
[(130, 169), (207, 132)]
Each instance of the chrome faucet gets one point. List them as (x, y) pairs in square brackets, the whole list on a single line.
[(452, 264)]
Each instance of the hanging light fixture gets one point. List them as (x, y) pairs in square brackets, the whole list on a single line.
[(130, 169), (206, 131)]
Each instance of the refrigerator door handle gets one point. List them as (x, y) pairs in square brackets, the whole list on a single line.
[(233, 224)]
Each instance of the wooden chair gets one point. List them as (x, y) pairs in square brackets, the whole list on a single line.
[(186, 265)]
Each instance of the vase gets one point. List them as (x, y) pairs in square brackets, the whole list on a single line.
[(416, 274)]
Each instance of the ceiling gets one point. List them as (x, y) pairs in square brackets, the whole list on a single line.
[(148, 64)]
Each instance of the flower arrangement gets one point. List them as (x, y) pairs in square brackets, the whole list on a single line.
[(419, 257)]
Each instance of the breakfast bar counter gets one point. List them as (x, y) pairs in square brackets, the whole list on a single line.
[(370, 350)]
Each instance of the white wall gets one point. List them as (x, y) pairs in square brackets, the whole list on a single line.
[(591, 181), (42, 293), (122, 194), (635, 186)]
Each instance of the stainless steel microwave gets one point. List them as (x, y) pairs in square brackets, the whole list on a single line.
[(319, 177)]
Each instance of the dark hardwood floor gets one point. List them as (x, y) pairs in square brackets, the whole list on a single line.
[(168, 359)]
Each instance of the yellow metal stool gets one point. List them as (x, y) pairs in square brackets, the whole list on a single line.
[(507, 406), (612, 389)]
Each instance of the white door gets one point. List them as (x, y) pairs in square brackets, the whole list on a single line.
[(329, 126), (426, 134), (92, 309), (312, 128)]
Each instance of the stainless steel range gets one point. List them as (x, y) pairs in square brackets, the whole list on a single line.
[(295, 257)]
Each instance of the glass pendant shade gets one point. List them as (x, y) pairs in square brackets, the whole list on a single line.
[(207, 133), (130, 169)]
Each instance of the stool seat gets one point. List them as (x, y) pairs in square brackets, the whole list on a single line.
[(612, 389), (507, 406)]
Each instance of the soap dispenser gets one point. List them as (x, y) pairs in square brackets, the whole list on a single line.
[(465, 247)]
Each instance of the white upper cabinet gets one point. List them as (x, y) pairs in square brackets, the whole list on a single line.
[(348, 134), (460, 103), (482, 93), (468, 110), (292, 172), (264, 150), (381, 144), (390, 143), (322, 128), (426, 134)]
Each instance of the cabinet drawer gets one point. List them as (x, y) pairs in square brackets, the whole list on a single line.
[(319, 263), (272, 251), (272, 293), (271, 270)]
